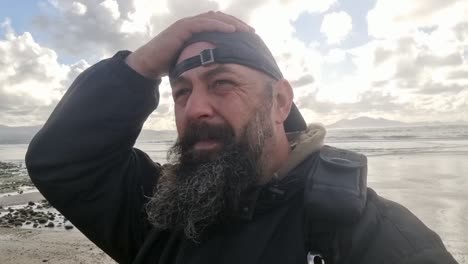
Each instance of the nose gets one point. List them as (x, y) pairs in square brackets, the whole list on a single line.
[(199, 106)]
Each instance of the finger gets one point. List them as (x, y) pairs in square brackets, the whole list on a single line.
[(207, 24), (238, 24), (250, 28)]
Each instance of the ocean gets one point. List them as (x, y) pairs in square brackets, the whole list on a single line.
[(424, 168), (369, 141)]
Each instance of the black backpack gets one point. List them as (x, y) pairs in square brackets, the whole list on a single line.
[(335, 197)]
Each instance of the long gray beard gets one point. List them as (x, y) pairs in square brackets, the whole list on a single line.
[(194, 197), (196, 201)]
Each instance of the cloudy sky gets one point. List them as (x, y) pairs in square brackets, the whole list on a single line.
[(397, 59)]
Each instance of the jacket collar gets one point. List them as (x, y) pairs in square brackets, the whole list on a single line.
[(277, 192)]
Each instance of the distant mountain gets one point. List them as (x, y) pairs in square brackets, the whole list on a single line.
[(17, 135), (366, 122), (24, 134), (148, 135), (363, 122)]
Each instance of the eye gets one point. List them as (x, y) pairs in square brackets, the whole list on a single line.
[(181, 92), (223, 84)]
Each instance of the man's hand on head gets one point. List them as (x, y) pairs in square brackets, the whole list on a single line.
[(153, 59)]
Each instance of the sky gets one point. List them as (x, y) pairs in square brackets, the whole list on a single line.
[(395, 59)]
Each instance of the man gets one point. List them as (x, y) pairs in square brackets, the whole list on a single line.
[(247, 181)]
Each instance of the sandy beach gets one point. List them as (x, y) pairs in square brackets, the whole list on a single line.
[(45, 245)]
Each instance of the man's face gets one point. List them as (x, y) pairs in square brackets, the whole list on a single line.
[(224, 95), (223, 116)]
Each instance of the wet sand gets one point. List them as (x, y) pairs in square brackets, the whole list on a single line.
[(45, 245), (20, 199), (433, 187)]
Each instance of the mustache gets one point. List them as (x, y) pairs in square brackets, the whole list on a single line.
[(202, 131)]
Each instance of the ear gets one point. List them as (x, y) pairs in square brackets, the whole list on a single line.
[(284, 97)]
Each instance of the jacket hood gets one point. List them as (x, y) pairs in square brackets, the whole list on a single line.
[(303, 144)]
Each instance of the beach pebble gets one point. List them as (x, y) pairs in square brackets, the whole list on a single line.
[(22, 211), (45, 204), (31, 215)]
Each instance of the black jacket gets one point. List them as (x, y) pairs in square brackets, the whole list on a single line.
[(84, 163)]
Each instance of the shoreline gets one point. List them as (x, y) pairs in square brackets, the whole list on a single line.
[(18, 199)]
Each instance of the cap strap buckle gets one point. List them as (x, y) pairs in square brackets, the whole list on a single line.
[(207, 57)]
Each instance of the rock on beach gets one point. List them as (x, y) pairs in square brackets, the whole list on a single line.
[(31, 214)]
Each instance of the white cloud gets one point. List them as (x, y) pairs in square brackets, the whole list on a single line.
[(163, 117), (335, 56), (103, 27), (414, 71), (248, 9), (31, 80), (336, 26), (92, 29), (78, 8), (112, 7), (417, 63), (391, 19)]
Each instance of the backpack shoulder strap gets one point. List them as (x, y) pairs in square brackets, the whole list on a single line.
[(334, 198)]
